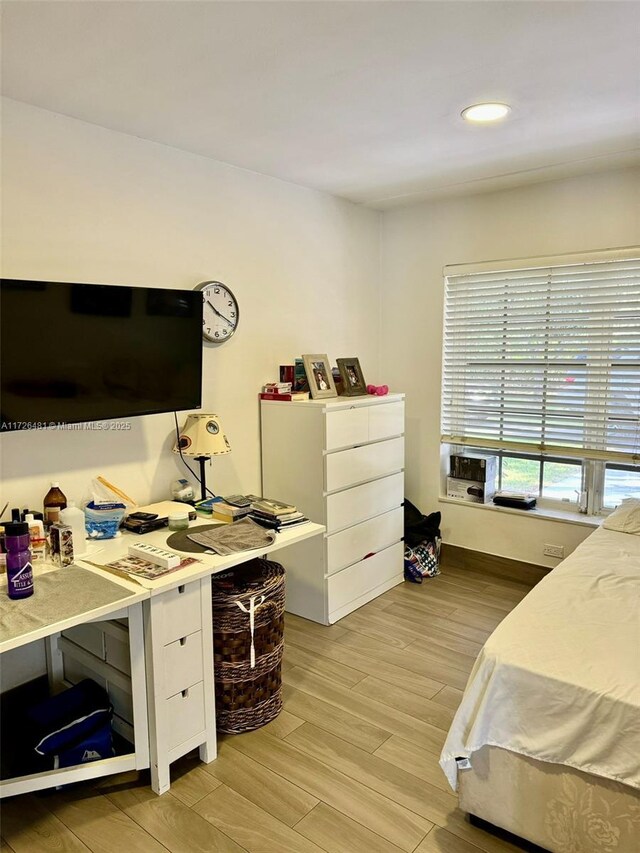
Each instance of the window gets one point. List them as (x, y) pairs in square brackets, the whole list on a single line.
[(620, 481), (541, 365)]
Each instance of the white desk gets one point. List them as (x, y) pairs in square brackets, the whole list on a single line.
[(171, 658), (129, 606), (179, 647)]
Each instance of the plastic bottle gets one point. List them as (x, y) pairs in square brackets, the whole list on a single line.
[(54, 501), (19, 568), (37, 540), (74, 517)]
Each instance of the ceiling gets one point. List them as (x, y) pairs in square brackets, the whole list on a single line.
[(359, 99)]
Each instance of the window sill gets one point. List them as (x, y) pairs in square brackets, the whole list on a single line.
[(562, 515)]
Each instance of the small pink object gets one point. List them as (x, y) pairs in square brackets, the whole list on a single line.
[(378, 390)]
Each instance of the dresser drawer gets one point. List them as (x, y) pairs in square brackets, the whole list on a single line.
[(386, 420), (182, 663), (350, 467), (347, 508), (117, 653), (181, 614), (367, 575), (185, 714), (346, 427), (353, 544)]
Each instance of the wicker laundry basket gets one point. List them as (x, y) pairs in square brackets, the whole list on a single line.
[(248, 657)]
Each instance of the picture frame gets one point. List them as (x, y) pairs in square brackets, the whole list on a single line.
[(353, 384), (319, 376)]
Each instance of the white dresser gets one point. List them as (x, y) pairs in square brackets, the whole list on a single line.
[(341, 461)]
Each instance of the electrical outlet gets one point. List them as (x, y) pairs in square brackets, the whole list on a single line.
[(553, 550)]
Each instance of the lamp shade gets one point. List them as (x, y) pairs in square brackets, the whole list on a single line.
[(202, 435)]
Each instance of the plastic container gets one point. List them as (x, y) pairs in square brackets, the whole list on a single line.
[(103, 520), (54, 501), (74, 517), (3, 552), (19, 567), (37, 540), (179, 519)]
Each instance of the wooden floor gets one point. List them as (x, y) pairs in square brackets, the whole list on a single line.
[(350, 765)]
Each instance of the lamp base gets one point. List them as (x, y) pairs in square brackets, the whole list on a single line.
[(203, 482)]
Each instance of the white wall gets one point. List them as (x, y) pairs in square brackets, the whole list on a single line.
[(585, 213), (81, 203)]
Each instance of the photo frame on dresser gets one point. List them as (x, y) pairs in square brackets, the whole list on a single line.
[(319, 376), (353, 384)]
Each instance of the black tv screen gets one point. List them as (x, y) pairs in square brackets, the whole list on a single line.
[(71, 353)]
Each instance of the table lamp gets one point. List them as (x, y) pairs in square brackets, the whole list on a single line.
[(202, 437)]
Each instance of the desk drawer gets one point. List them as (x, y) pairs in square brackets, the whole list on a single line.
[(185, 714), (181, 612), (352, 506), (88, 637), (353, 544), (182, 663), (357, 580), (350, 467), (117, 653)]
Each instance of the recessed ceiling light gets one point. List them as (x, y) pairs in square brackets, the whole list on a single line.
[(485, 112)]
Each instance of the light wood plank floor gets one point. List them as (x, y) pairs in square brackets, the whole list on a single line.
[(350, 765)]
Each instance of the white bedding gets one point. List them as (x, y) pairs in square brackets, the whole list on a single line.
[(559, 678)]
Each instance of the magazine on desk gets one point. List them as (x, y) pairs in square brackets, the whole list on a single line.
[(137, 568)]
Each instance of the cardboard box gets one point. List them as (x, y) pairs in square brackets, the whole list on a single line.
[(61, 538), (475, 491), (483, 469)]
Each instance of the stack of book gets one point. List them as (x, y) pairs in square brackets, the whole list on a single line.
[(276, 515), (223, 511), (282, 391)]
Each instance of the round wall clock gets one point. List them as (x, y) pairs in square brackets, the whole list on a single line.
[(220, 311)]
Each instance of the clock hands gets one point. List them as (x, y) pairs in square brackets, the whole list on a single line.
[(222, 317)]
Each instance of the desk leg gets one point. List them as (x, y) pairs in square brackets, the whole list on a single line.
[(158, 733), (208, 749), (138, 686)]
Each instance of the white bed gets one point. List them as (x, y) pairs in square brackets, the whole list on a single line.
[(550, 718)]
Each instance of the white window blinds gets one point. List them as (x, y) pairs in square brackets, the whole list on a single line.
[(545, 358)]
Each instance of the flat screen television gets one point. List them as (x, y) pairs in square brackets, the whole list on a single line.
[(71, 353)]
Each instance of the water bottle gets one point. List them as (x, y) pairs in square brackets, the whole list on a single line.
[(19, 568)]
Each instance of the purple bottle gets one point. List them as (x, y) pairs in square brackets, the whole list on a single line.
[(19, 569)]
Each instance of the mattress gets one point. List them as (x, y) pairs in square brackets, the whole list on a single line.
[(556, 807), (559, 679)]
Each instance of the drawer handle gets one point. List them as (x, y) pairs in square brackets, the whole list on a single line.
[(183, 640), (181, 589), (185, 693)]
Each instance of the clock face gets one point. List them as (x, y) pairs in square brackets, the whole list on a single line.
[(219, 311)]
